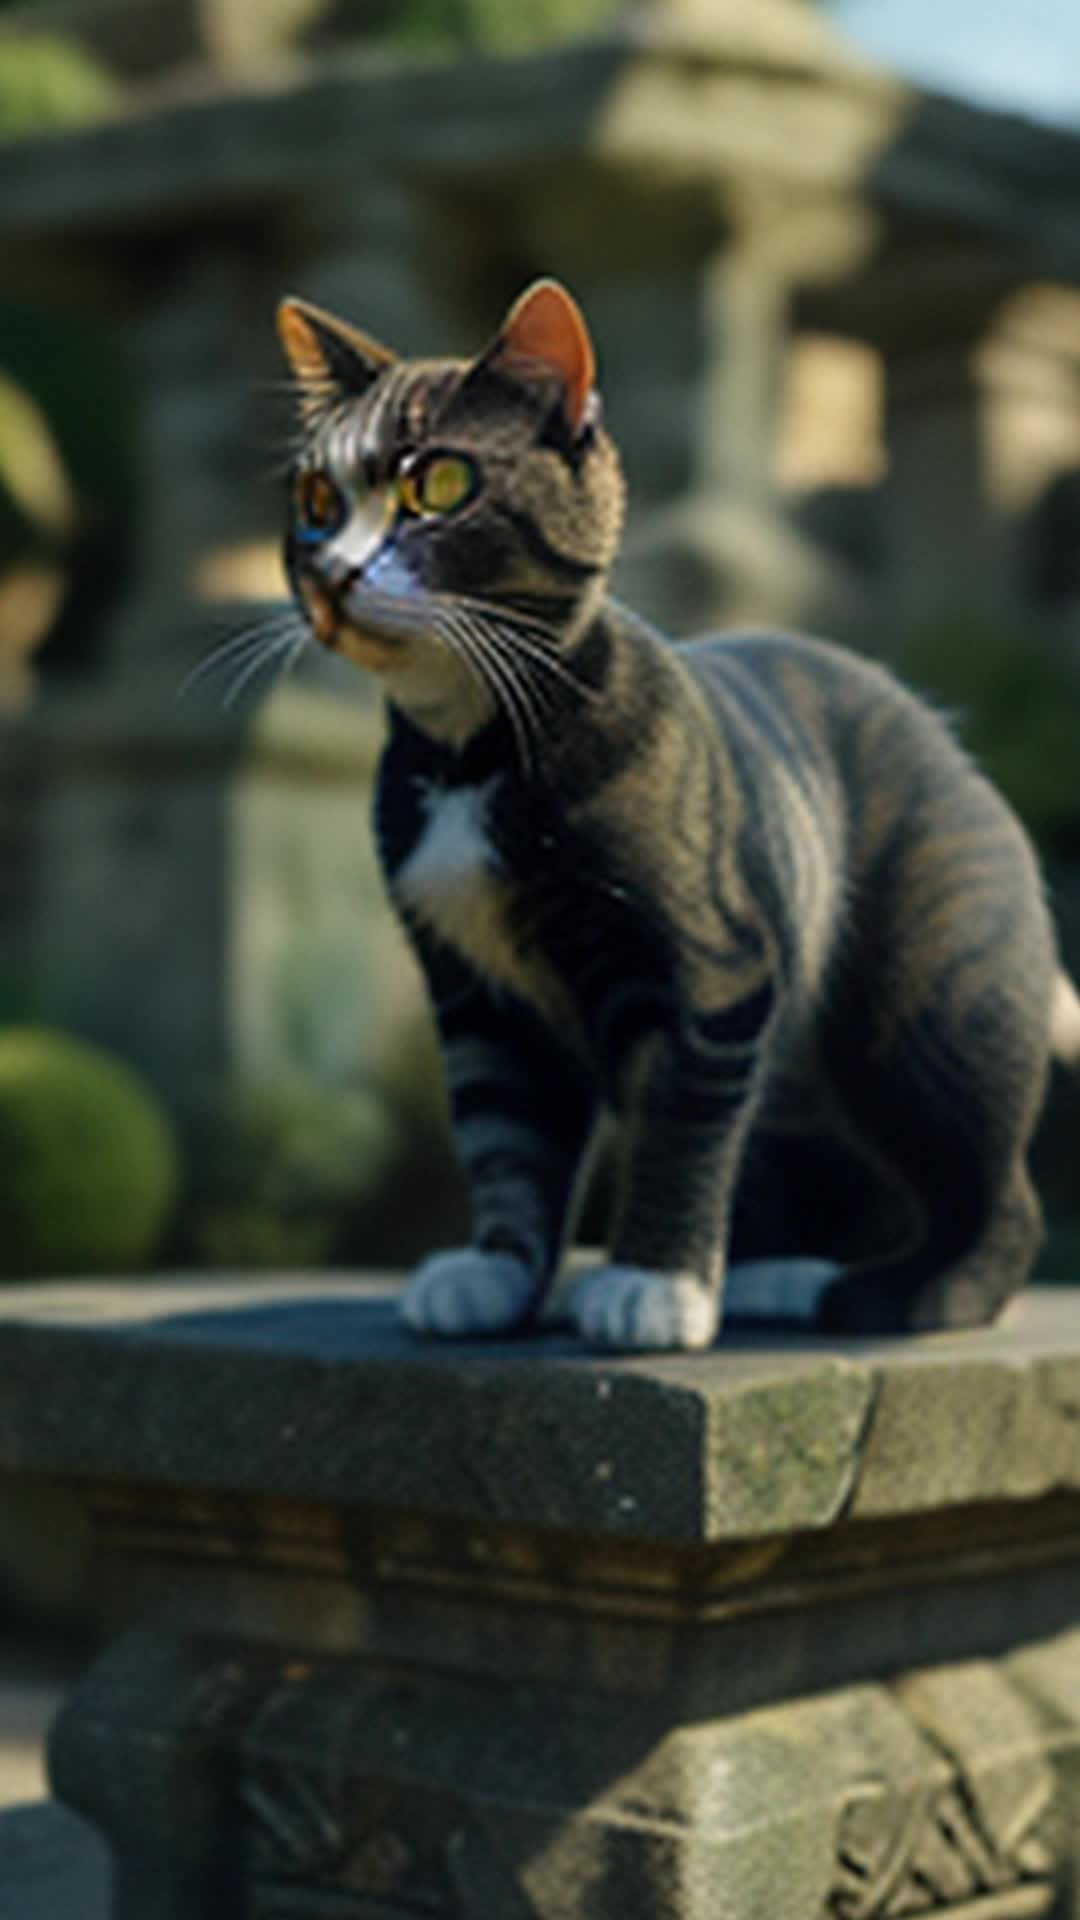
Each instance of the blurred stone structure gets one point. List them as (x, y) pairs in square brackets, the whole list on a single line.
[(738, 203)]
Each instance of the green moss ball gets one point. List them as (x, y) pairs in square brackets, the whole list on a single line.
[(87, 1161), (46, 80)]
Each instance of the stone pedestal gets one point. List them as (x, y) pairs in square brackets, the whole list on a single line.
[(52, 1866), (513, 1630)]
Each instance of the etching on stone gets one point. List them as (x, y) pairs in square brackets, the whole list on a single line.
[(312, 1853), (935, 1852)]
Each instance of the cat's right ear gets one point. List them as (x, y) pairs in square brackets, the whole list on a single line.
[(329, 359)]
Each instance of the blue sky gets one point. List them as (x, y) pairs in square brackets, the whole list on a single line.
[(1023, 55)]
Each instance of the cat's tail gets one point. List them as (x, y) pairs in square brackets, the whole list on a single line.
[(1065, 1023)]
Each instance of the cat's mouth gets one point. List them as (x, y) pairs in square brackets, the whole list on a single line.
[(335, 626)]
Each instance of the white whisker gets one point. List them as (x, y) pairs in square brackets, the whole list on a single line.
[(272, 626), (499, 683), (524, 634), (492, 610), (509, 648), (513, 693), (282, 650)]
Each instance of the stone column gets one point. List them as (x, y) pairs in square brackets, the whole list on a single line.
[(380, 260), (977, 427), (745, 324), (201, 349), (695, 357), (946, 546), (206, 899)]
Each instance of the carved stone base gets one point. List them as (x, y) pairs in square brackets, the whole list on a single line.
[(235, 1781), (516, 1633)]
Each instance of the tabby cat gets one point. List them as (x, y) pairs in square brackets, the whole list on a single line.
[(745, 895)]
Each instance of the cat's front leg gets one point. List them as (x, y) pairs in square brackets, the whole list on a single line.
[(521, 1110), (685, 1128)]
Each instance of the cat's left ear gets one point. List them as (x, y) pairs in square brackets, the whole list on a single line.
[(327, 356), (546, 329)]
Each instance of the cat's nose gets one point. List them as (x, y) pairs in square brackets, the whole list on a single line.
[(386, 570)]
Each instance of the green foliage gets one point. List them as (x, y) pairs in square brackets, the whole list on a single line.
[(275, 1169), (18, 993), (47, 81), (89, 1164), (68, 482), (491, 26), (1017, 700)]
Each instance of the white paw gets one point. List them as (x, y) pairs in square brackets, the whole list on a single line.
[(778, 1289), (635, 1309), (466, 1292)]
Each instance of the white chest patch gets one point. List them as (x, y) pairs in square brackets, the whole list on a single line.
[(451, 879), (454, 851), (454, 881)]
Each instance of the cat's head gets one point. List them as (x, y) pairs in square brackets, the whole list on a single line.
[(451, 522)]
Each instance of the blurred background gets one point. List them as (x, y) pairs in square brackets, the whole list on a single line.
[(831, 257)]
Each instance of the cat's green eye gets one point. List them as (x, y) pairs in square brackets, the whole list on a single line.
[(319, 506), (437, 483)]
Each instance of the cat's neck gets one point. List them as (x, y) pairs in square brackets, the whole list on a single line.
[(453, 706), (612, 684), (489, 751), (440, 698)]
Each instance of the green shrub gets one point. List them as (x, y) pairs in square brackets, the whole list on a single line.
[(275, 1170), (46, 82), (87, 1158), (1016, 697)]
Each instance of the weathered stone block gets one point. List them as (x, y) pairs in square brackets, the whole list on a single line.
[(246, 930), (518, 1632), (53, 1866)]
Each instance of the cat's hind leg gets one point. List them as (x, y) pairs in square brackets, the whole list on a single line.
[(807, 1203), (781, 1293), (925, 1290), (935, 1038), (950, 1106)]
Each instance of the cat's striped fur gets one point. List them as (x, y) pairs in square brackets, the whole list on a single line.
[(745, 894)]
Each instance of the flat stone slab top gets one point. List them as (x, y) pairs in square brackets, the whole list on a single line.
[(312, 1391), (53, 1865)]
